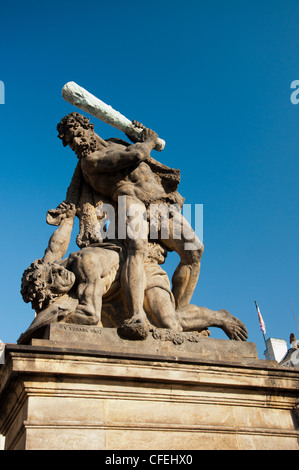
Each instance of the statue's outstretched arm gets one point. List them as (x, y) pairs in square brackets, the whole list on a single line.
[(115, 159), (60, 239)]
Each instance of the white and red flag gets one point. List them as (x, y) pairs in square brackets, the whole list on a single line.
[(262, 323)]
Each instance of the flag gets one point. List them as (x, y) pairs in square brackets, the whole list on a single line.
[(262, 323)]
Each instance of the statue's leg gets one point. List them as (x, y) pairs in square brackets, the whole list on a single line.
[(193, 318), (132, 276), (162, 313), (89, 273), (160, 309), (88, 311), (183, 240), (133, 279)]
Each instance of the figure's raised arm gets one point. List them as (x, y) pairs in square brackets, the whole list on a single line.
[(60, 239), (117, 157)]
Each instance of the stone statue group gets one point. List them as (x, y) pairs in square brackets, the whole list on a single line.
[(115, 279)]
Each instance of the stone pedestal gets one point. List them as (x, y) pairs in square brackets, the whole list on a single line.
[(86, 388)]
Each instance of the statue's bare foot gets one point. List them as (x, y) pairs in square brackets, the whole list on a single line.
[(232, 326), (135, 328), (80, 318)]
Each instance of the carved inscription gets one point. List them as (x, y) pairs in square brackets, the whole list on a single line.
[(81, 329)]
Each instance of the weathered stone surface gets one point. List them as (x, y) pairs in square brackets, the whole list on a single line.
[(159, 343), (116, 279), (65, 398)]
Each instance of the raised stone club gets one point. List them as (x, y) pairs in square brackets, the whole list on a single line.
[(84, 100)]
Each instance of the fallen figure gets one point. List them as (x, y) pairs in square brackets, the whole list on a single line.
[(85, 288)]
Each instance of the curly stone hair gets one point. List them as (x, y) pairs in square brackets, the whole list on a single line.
[(71, 121), (34, 286)]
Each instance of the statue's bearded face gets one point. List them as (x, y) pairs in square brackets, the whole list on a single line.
[(43, 282), (81, 141)]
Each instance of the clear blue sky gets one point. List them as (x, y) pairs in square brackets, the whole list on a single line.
[(213, 79)]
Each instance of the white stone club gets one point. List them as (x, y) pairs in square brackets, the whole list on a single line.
[(84, 100)]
